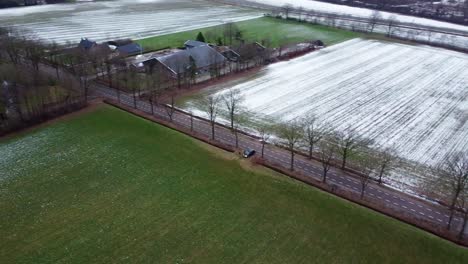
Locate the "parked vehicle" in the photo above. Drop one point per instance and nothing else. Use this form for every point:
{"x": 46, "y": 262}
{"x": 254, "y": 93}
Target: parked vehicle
{"x": 248, "y": 153}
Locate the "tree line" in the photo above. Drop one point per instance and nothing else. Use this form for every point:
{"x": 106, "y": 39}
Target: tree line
{"x": 18, "y": 3}
{"x": 29, "y": 92}
{"x": 452, "y": 12}
{"x": 390, "y": 26}
{"x": 345, "y": 149}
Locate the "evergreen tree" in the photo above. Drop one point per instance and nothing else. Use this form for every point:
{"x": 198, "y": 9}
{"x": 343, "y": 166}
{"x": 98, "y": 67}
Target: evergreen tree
{"x": 220, "y": 41}
{"x": 200, "y": 37}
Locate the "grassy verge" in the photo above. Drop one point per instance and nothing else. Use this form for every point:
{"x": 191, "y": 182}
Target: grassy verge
{"x": 278, "y": 31}
{"x": 105, "y": 186}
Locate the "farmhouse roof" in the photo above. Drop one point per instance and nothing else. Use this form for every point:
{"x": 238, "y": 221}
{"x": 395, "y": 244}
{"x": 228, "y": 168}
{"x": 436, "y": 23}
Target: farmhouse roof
{"x": 254, "y": 45}
{"x": 227, "y": 52}
{"x": 194, "y": 43}
{"x": 131, "y": 48}
{"x": 120, "y": 42}
{"x": 202, "y": 56}
{"x": 87, "y": 44}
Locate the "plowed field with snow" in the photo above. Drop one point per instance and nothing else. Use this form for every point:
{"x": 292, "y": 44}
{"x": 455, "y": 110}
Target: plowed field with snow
{"x": 106, "y": 20}
{"x": 411, "y": 98}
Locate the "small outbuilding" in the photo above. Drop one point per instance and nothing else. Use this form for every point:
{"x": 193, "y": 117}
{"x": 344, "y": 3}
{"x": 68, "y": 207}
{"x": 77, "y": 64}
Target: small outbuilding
{"x": 130, "y": 49}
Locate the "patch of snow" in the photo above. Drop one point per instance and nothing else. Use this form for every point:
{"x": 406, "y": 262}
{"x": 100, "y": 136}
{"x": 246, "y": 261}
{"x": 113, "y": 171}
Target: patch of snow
{"x": 410, "y": 98}
{"x": 106, "y": 20}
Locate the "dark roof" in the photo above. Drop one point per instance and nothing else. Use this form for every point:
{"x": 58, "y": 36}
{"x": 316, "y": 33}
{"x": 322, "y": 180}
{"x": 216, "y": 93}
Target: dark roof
{"x": 202, "y": 56}
{"x": 194, "y": 43}
{"x": 254, "y": 46}
{"x": 86, "y": 44}
{"x": 131, "y": 48}
{"x": 120, "y": 42}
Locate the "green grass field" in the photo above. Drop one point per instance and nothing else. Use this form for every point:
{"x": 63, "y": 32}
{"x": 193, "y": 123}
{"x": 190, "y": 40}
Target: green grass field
{"x": 107, "y": 187}
{"x": 279, "y": 31}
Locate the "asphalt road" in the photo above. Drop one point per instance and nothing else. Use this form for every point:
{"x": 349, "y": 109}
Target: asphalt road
{"x": 390, "y": 198}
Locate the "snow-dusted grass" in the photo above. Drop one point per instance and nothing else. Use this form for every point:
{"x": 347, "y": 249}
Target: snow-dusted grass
{"x": 277, "y": 31}
{"x": 346, "y": 12}
{"x": 411, "y": 98}
{"x": 121, "y": 18}
{"x": 106, "y": 186}
{"x": 360, "y": 12}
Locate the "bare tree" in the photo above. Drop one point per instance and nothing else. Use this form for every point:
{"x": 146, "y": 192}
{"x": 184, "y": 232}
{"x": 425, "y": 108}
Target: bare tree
{"x": 13, "y": 47}
{"x": 264, "y": 131}
{"x": 452, "y": 179}
{"x": 134, "y": 82}
{"x": 153, "y": 86}
{"x": 34, "y": 52}
{"x": 386, "y": 160}
{"x": 109, "y": 64}
{"x": 373, "y": 20}
{"x": 170, "y": 108}
{"x": 230, "y": 31}
{"x": 348, "y": 143}
{"x": 191, "y": 120}
{"x": 367, "y": 167}
{"x": 287, "y": 8}
{"x": 210, "y": 105}
{"x": 429, "y": 36}
{"x": 327, "y": 153}
{"x": 300, "y": 10}
{"x": 330, "y": 20}
{"x": 465, "y": 10}
{"x": 313, "y": 132}
{"x": 291, "y": 132}
{"x": 239, "y": 120}
{"x": 54, "y": 58}
{"x": 391, "y": 22}
{"x": 464, "y": 209}
{"x": 83, "y": 72}
{"x": 232, "y": 99}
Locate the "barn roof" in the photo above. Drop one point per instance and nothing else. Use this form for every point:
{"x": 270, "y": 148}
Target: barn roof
{"x": 202, "y": 56}
{"x": 131, "y": 48}
{"x": 194, "y": 43}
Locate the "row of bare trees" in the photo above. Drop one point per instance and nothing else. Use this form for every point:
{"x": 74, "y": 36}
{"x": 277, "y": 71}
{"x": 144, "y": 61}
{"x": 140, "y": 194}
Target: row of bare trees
{"x": 376, "y": 18}
{"x": 329, "y": 147}
{"x": 451, "y": 184}
{"x": 332, "y": 148}
{"x": 389, "y": 25}
{"x": 345, "y": 149}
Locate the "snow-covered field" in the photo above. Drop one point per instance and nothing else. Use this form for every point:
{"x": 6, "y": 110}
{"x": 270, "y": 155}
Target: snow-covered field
{"x": 411, "y": 98}
{"x": 120, "y": 18}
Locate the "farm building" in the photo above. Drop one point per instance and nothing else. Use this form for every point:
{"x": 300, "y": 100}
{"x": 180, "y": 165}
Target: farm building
{"x": 125, "y": 47}
{"x": 227, "y": 52}
{"x": 193, "y": 44}
{"x": 201, "y": 57}
{"x": 129, "y": 49}
{"x": 86, "y": 44}
{"x": 197, "y": 58}
{"x": 89, "y": 46}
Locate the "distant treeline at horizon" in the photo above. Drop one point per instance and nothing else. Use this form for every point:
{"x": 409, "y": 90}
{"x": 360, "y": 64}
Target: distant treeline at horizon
{"x": 17, "y": 3}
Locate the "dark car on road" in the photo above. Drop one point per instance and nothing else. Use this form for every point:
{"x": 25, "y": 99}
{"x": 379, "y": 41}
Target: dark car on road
{"x": 248, "y": 153}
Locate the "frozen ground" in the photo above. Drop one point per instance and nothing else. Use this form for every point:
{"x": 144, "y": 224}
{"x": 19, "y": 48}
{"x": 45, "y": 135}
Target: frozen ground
{"x": 120, "y": 18}
{"x": 411, "y": 98}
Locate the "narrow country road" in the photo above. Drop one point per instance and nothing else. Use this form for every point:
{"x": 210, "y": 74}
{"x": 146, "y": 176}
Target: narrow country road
{"x": 390, "y": 198}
